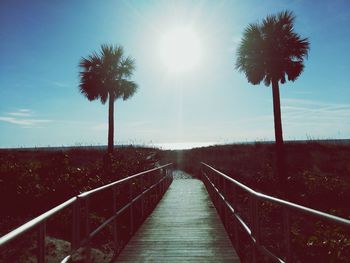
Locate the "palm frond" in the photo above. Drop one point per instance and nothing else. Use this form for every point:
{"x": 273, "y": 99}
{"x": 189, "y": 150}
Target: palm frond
{"x": 128, "y": 88}
{"x": 294, "y": 69}
{"x": 90, "y": 78}
{"x": 285, "y": 18}
{"x": 127, "y": 67}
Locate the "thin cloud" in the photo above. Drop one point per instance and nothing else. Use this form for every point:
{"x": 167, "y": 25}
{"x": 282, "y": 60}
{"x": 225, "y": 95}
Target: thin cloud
{"x": 104, "y": 126}
{"x": 303, "y": 92}
{"x": 21, "y": 118}
{"x": 315, "y": 114}
{"x": 61, "y": 84}
{"x": 294, "y": 102}
{"x": 21, "y": 113}
{"x": 133, "y": 124}
{"x": 24, "y": 122}
{"x": 99, "y": 127}
{"x": 310, "y": 106}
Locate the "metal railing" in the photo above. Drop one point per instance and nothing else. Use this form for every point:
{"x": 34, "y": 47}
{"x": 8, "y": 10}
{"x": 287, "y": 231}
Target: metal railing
{"x": 39, "y": 223}
{"x": 216, "y": 182}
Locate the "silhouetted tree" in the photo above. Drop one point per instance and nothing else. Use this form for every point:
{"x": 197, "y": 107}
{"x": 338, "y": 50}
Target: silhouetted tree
{"x": 106, "y": 76}
{"x": 271, "y": 52}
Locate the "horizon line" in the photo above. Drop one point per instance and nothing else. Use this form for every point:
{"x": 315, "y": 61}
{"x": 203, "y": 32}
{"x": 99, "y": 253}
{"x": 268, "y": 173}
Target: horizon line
{"x": 174, "y": 145}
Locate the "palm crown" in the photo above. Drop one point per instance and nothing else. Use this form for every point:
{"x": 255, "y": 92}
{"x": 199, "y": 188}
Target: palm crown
{"x": 272, "y": 50}
{"x": 106, "y": 74}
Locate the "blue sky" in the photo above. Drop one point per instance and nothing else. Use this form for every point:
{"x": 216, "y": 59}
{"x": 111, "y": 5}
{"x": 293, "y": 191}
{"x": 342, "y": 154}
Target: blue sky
{"x": 43, "y": 41}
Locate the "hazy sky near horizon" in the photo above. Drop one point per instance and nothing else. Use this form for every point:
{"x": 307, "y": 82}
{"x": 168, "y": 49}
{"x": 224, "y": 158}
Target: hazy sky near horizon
{"x": 43, "y": 41}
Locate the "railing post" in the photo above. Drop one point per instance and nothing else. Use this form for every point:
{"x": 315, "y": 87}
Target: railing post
{"x": 87, "y": 229}
{"x": 159, "y": 187}
{"x": 236, "y": 238}
{"x": 219, "y": 187}
{"x": 255, "y": 225}
{"x": 114, "y": 207}
{"x": 220, "y": 204}
{"x": 142, "y": 199}
{"x": 214, "y": 180}
{"x": 76, "y": 224}
{"x": 41, "y": 242}
{"x": 286, "y": 231}
{"x": 235, "y": 225}
{"x": 224, "y": 194}
{"x": 163, "y": 183}
{"x": 131, "y": 211}
{"x": 165, "y": 180}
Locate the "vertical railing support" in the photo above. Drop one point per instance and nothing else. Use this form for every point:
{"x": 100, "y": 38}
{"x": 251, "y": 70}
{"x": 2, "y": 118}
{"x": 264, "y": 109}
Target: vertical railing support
{"x": 114, "y": 209}
{"x": 158, "y": 189}
{"x": 255, "y": 225}
{"x": 235, "y": 224}
{"x": 161, "y": 186}
{"x": 41, "y": 242}
{"x": 131, "y": 210}
{"x": 164, "y": 181}
{"x": 286, "y": 231}
{"x": 142, "y": 199}
{"x": 236, "y": 237}
{"x": 87, "y": 229}
{"x": 76, "y": 225}
{"x": 224, "y": 193}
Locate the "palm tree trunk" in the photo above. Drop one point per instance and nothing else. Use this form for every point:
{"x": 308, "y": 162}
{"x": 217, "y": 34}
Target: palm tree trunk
{"x": 280, "y": 162}
{"x": 111, "y": 123}
{"x": 277, "y": 112}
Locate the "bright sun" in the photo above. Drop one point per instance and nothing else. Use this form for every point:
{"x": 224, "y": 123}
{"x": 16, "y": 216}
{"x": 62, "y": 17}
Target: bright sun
{"x": 180, "y": 49}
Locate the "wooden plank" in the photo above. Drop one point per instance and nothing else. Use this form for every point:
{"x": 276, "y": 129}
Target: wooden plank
{"x": 184, "y": 227}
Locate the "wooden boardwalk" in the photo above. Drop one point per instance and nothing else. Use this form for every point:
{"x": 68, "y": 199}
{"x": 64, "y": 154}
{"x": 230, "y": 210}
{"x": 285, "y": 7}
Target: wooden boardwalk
{"x": 184, "y": 227}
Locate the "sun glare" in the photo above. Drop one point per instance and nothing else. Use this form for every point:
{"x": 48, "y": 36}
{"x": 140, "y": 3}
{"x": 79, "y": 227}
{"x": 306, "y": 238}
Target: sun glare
{"x": 180, "y": 49}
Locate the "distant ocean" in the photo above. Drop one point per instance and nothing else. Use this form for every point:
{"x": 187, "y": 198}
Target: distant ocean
{"x": 190, "y": 145}
{"x": 176, "y": 145}
{"x": 183, "y": 145}
{"x": 163, "y": 146}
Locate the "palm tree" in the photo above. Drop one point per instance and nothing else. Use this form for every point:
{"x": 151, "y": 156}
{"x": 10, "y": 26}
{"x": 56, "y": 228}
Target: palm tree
{"x": 106, "y": 76}
{"x": 271, "y": 52}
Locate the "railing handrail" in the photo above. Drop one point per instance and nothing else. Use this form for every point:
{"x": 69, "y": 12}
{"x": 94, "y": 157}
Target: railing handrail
{"x": 35, "y": 221}
{"x": 98, "y": 189}
{"x": 282, "y": 202}
{"x": 46, "y": 215}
